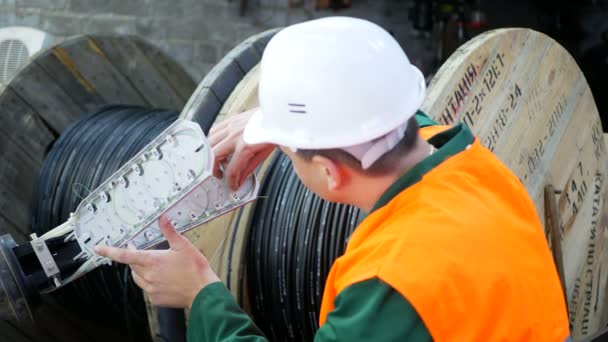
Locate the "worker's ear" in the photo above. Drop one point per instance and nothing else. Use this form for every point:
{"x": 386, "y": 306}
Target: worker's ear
{"x": 332, "y": 173}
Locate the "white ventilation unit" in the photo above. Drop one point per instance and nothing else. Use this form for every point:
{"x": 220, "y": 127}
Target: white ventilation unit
{"x": 17, "y": 45}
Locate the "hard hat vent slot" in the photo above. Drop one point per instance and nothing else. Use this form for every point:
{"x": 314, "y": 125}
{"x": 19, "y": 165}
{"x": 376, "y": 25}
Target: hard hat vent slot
{"x": 297, "y": 108}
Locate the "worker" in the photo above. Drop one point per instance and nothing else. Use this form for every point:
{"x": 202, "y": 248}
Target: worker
{"x": 451, "y": 249}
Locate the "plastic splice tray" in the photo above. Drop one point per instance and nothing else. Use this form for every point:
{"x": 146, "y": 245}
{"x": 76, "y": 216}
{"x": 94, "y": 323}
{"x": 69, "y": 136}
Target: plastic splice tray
{"x": 172, "y": 175}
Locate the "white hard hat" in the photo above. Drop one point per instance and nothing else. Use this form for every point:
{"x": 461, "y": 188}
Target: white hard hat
{"x": 331, "y": 83}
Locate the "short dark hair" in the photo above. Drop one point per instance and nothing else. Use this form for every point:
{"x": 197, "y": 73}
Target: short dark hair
{"x": 385, "y": 164}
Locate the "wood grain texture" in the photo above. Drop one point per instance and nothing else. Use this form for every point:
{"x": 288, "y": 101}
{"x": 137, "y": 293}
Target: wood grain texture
{"x": 49, "y": 93}
{"x": 21, "y": 124}
{"x": 67, "y": 76}
{"x": 139, "y": 70}
{"x": 526, "y": 99}
{"x": 172, "y": 72}
{"x": 95, "y": 71}
{"x": 38, "y": 89}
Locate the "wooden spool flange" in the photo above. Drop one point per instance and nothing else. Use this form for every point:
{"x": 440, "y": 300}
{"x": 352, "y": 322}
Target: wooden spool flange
{"x": 52, "y": 90}
{"x": 229, "y": 88}
{"x": 526, "y": 99}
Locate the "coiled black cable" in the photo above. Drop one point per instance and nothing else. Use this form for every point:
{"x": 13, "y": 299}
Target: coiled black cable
{"x": 294, "y": 238}
{"x": 85, "y": 155}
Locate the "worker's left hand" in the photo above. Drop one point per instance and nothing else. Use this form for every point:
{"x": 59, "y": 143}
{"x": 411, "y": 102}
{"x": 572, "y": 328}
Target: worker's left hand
{"x": 170, "y": 278}
{"x": 226, "y": 139}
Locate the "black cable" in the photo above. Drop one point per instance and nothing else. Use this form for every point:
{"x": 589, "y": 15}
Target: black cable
{"x": 293, "y": 239}
{"x": 83, "y": 157}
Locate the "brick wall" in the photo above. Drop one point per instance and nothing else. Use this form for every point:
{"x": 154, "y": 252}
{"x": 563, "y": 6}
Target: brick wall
{"x": 195, "y": 32}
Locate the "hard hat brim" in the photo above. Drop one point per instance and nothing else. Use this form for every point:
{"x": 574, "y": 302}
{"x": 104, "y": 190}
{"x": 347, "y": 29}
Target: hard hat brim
{"x": 255, "y": 132}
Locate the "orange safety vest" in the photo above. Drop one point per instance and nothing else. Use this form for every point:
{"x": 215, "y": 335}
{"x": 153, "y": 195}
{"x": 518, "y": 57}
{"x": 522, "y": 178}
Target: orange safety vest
{"x": 465, "y": 247}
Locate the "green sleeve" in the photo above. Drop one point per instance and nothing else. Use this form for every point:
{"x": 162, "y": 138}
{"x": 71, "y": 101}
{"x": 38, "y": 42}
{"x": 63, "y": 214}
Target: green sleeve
{"x": 424, "y": 120}
{"x": 369, "y": 310}
{"x": 215, "y": 316}
{"x": 372, "y": 311}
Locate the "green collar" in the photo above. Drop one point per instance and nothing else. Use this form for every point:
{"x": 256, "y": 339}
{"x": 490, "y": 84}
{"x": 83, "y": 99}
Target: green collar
{"x": 423, "y": 119}
{"x": 448, "y": 143}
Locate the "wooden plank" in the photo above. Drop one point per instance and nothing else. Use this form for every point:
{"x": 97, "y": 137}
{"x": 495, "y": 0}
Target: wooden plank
{"x": 22, "y": 125}
{"x": 127, "y": 57}
{"x": 24, "y": 139}
{"x": 87, "y": 62}
{"x": 16, "y": 208}
{"x": 18, "y": 233}
{"x": 554, "y": 226}
{"x": 18, "y": 176}
{"x": 68, "y": 77}
{"x": 45, "y": 97}
{"x": 526, "y": 99}
{"x": 18, "y": 171}
{"x": 175, "y": 75}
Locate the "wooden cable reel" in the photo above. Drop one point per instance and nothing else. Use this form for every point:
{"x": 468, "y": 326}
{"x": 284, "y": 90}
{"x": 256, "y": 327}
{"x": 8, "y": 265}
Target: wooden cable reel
{"x": 520, "y": 92}
{"x": 229, "y": 88}
{"x": 79, "y": 75}
{"x": 526, "y": 99}
{"x": 223, "y": 240}
{"x": 225, "y": 91}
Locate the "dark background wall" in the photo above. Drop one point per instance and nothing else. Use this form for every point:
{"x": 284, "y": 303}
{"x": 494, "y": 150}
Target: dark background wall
{"x": 197, "y": 33}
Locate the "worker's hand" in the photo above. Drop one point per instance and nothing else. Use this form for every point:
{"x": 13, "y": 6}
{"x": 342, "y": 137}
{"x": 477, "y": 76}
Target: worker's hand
{"x": 170, "y": 278}
{"x": 226, "y": 139}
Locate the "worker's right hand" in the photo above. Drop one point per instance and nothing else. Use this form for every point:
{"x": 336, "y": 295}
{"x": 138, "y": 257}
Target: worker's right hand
{"x": 172, "y": 277}
{"x": 239, "y": 159}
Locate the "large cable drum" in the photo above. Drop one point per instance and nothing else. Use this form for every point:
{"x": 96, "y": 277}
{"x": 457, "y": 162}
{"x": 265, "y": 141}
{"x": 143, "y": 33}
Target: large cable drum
{"x": 84, "y": 75}
{"x": 46, "y": 96}
{"x": 526, "y": 99}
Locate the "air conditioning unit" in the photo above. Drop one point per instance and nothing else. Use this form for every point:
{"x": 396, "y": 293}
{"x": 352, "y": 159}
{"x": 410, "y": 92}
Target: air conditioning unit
{"x": 17, "y": 45}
